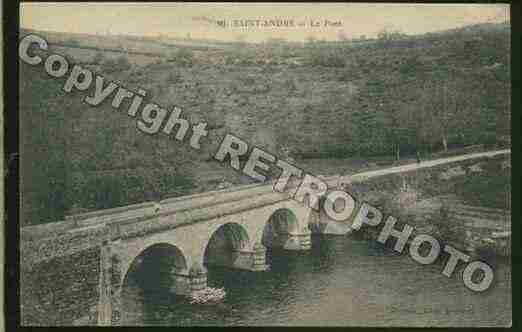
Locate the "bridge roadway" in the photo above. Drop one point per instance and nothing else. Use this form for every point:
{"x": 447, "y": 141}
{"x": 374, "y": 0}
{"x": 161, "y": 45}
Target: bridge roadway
{"x": 230, "y": 227}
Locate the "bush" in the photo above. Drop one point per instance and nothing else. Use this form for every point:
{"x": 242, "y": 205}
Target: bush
{"x": 102, "y": 193}
{"x": 122, "y": 63}
{"x": 492, "y": 188}
{"x": 386, "y": 37}
{"x": 98, "y": 58}
{"x": 173, "y": 78}
{"x": 229, "y": 60}
{"x": 116, "y": 65}
{"x": 445, "y": 227}
{"x": 71, "y": 43}
{"x": 183, "y": 57}
{"x": 109, "y": 191}
{"x": 411, "y": 66}
{"x": 330, "y": 58}
{"x": 243, "y": 58}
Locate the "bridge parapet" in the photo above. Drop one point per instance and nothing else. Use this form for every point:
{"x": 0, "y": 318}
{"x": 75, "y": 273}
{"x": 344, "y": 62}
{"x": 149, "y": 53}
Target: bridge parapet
{"x": 232, "y": 194}
{"x": 85, "y": 220}
{"x": 142, "y": 212}
{"x": 165, "y": 220}
{"x": 106, "y": 213}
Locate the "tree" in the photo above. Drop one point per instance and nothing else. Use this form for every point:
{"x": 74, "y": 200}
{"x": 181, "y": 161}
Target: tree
{"x": 98, "y": 58}
{"x": 43, "y": 149}
{"x": 115, "y": 65}
{"x": 433, "y": 115}
{"x": 444, "y": 102}
{"x": 183, "y": 57}
{"x": 399, "y": 128}
{"x": 333, "y": 57}
{"x": 398, "y": 133}
{"x": 122, "y": 63}
{"x": 386, "y": 36}
{"x": 72, "y": 43}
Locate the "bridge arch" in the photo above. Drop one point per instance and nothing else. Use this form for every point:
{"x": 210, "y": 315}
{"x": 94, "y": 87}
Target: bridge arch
{"x": 153, "y": 266}
{"x": 153, "y": 271}
{"x": 279, "y": 229}
{"x": 225, "y": 245}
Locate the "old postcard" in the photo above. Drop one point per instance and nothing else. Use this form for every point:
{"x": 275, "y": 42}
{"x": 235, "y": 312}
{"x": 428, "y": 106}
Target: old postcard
{"x": 265, "y": 164}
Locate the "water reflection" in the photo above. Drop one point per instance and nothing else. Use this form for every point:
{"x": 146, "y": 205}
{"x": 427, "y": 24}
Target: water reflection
{"x": 341, "y": 281}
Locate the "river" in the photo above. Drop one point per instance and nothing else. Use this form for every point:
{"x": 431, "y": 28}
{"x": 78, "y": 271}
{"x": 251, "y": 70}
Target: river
{"x": 342, "y": 281}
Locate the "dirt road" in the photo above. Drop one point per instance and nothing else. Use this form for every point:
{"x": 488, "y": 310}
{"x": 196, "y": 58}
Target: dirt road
{"x": 414, "y": 166}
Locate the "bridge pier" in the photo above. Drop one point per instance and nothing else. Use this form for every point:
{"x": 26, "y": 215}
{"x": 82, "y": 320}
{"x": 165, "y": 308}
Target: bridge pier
{"x": 323, "y": 224}
{"x": 251, "y": 259}
{"x": 115, "y": 293}
{"x": 197, "y": 278}
{"x": 298, "y": 241}
{"x": 259, "y": 256}
{"x": 109, "y": 304}
{"x": 326, "y": 225}
{"x": 186, "y": 283}
{"x": 292, "y": 241}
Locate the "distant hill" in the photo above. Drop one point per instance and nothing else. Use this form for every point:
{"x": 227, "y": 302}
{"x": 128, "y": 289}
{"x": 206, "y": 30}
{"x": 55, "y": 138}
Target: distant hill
{"x": 392, "y": 95}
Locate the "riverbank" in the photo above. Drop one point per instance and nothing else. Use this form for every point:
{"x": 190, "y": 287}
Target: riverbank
{"x": 466, "y": 205}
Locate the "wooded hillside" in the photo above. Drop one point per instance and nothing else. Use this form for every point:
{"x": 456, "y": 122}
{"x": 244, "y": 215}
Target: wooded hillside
{"x": 394, "y": 95}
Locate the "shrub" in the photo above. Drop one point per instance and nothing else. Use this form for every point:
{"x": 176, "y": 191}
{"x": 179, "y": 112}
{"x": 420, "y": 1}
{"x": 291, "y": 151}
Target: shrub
{"x": 411, "y": 65}
{"x": 72, "y": 43}
{"x": 98, "y": 58}
{"x": 109, "y": 191}
{"x": 116, "y": 65}
{"x": 446, "y": 229}
{"x": 229, "y": 60}
{"x": 102, "y": 193}
{"x": 183, "y": 57}
{"x": 492, "y": 188}
{"x": 173, "y": 78}
{"x": 122, "y": 63}
{"x": 327, "y": 58}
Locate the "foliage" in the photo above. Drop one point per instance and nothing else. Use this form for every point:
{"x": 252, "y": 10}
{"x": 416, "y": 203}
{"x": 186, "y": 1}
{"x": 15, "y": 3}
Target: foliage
{"x": 183, "y": 57}
{"x": 43, "y": 162}
{"x": 446, "y": 229}
{"x": 63, "y": 169}
{"x": 327, "y": 58}
{"x": 387, "y": 36}
{"x": 173, "y": 78}
{"x": 98, "y": 58}
{"x": 116, "y": 65}
{"x": 106, "y": 191}
{"x": 492, "y": 188}
{"x": 72, "y": 43}
{"x": 371, "y": 98}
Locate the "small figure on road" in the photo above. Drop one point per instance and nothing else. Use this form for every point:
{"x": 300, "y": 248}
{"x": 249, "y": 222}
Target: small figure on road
{"x": 157, "y": 207}
{"x": 418, "y": 157}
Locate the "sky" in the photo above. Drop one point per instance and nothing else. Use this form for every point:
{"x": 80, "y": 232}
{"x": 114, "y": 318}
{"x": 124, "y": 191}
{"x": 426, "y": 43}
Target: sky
{"x": 199, "y": 19}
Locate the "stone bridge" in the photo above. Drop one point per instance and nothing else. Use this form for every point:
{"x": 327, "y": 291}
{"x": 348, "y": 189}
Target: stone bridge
{"x": 231, "y": 228}
{"x": 74, "y": 271}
